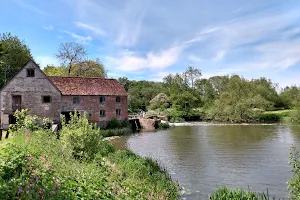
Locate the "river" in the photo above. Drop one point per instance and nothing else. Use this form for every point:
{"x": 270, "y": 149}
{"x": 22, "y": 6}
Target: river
{"x": 205, "y": 155}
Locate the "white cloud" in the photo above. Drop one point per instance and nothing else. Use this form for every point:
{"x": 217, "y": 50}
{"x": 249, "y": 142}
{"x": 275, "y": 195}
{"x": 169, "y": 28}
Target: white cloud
{"x": 79, "y": 38}
{"x": 43, "y": 61}
{"x": 49, "y": 27}
{"x": 97, "y": 31}
{"x": 129, "y": 61}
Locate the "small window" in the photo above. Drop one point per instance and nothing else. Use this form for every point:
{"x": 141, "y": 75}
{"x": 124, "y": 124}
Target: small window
{"x": 118, "y": 99}
{"x": 118, "y": 112}
{"x": 102, "y": 113}
{"x": 76, "y": 100}
{"x": 102, "y": 99}
{"x": 46, "y": 99}
{"x": 30, "y": 72}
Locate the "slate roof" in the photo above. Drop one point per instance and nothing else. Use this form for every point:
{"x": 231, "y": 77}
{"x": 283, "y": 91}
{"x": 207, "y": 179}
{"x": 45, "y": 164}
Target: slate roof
{"x": 88, "y": 86}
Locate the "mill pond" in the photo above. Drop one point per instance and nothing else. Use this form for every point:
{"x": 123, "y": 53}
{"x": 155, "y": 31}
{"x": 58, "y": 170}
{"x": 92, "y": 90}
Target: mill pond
{"x": 204, "y": 156}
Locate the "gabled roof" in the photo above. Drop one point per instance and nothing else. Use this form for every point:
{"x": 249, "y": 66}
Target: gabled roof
{"x": 37, "y": 67}
{"x": 88, "y": 86}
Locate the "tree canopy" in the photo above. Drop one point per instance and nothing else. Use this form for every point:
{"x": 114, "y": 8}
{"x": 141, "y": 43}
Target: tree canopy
{"x": 14, "y": 53}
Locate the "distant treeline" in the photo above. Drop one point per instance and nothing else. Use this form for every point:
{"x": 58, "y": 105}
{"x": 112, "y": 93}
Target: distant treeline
{"x": 188, "y": 96}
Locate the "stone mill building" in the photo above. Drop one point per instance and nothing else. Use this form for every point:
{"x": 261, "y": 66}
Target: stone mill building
{"x": 103, "y": 99}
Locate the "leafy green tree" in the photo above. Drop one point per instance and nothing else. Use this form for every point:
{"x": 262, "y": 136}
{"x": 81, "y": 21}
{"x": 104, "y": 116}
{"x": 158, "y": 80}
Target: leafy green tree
{"x": 125, "y": 82}
{"x": 290, "y": 96}
{"x": 219, "y": 83}
{"x": 51, "y": 70}
{"x": 205, "y": 89}
{"x": 12, "y": 59}
{"x": 160, "y": 101}
{"x": 239, "y": 102}
{"x": 89, "y": 68}
{"x": 86, "y": 68}
{"x": 185, "y": 101}
{"x": 191, "y": 75}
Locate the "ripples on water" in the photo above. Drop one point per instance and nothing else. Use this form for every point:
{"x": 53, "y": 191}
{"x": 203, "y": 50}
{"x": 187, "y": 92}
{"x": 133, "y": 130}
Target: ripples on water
{"x": 203, "y": 156}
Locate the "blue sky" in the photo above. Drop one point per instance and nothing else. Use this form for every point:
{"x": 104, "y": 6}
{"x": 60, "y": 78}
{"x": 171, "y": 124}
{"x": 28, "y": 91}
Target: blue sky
{"x": 148, "y": 39}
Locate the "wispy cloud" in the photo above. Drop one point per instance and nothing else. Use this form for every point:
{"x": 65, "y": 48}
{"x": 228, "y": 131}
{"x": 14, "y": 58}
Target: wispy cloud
{"x": 30, "y": 7}
{"x": 129, "y": 61}
{"x": 79, "y": 38}
{"x": 95, "y": 30}
{"x": 48, "y": 28}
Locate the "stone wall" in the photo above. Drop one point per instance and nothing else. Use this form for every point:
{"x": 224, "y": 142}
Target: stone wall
{"x": 31, "y": 90}
{"x": 92, "y": 105}
{"x": 148, "y": 124}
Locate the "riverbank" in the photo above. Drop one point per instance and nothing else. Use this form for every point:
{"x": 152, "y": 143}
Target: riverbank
{"x": 80, "y": 164}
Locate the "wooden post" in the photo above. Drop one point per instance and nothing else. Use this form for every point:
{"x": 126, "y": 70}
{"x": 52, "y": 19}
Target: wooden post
{"x": 7, "y": 133}
{"x": 0, "y": 134}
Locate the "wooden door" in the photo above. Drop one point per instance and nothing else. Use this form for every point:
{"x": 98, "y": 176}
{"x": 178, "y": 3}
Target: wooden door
{"x": 16, "y": 102}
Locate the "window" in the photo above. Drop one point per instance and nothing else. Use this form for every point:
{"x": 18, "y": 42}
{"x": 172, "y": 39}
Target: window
{"x": 118, "y": 112}
{"x": 30, "y": 72}
{"x": 118, "y": 99}
{"x": 46, "y": 99}
{"x": 102, "y": 99}
{"x": 102, "y": 113}
{"x": 76, "y": 100}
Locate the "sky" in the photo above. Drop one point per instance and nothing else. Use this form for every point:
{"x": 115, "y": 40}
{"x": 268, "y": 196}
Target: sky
{"x": 149, "y": 39}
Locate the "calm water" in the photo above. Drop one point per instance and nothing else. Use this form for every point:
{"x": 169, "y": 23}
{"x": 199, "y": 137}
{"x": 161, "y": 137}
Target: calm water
{"x": 205, "y": 156}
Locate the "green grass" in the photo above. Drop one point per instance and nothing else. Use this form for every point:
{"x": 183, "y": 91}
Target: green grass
{"x": 226, "y": 193}
{"x": 277, "y": 116}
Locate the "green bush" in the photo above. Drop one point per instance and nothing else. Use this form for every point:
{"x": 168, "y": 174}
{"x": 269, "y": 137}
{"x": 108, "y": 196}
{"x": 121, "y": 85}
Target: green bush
{"x": 294, "y": 183}
{"x": 269, "y": 117}
{"x": 117, "y": 124}
{"x": 163, "y": 125}
{"x": 225, "y": 193}
{"x": 115, "y": 132}
{"x": 83, "y": 138}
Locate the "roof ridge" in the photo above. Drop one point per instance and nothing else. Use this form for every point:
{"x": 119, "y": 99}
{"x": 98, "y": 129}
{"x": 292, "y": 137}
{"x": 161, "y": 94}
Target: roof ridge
{"x": 81, "y": 77}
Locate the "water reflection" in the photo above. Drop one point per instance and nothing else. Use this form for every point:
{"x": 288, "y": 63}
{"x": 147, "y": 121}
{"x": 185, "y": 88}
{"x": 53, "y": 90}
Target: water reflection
{"x": 205, "y": 156}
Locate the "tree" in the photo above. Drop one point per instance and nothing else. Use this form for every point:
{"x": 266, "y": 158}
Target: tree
{"x": 86, "y": 68}
{"x": 51, "y": 70}
{"x": 125, "y": 82}
{"x": 70, "y": 53}
{"x": 14, "y": 54}
{"x": 290, "y": 96}
{"x": 192, "y": 74}
{"x": 2, "y": 50}
{"x": 89, "y": 68}
{"x": 160, "y": 101}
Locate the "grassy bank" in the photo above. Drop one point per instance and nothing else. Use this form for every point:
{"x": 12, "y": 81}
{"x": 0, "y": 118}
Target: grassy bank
{"x": 35, "y": 164}
{"x": 278, "y": 116}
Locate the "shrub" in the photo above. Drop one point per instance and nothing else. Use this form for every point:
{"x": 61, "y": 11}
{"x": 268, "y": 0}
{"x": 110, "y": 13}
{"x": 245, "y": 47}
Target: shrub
{"x": 163, "y": 125}
{"x": 115, "y": 132}
{"x": 83, "y": 138}
{"x": 117, "y": 124}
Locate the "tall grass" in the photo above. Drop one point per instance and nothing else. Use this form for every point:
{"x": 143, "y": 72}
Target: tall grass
{"x": 225, "y": 193}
